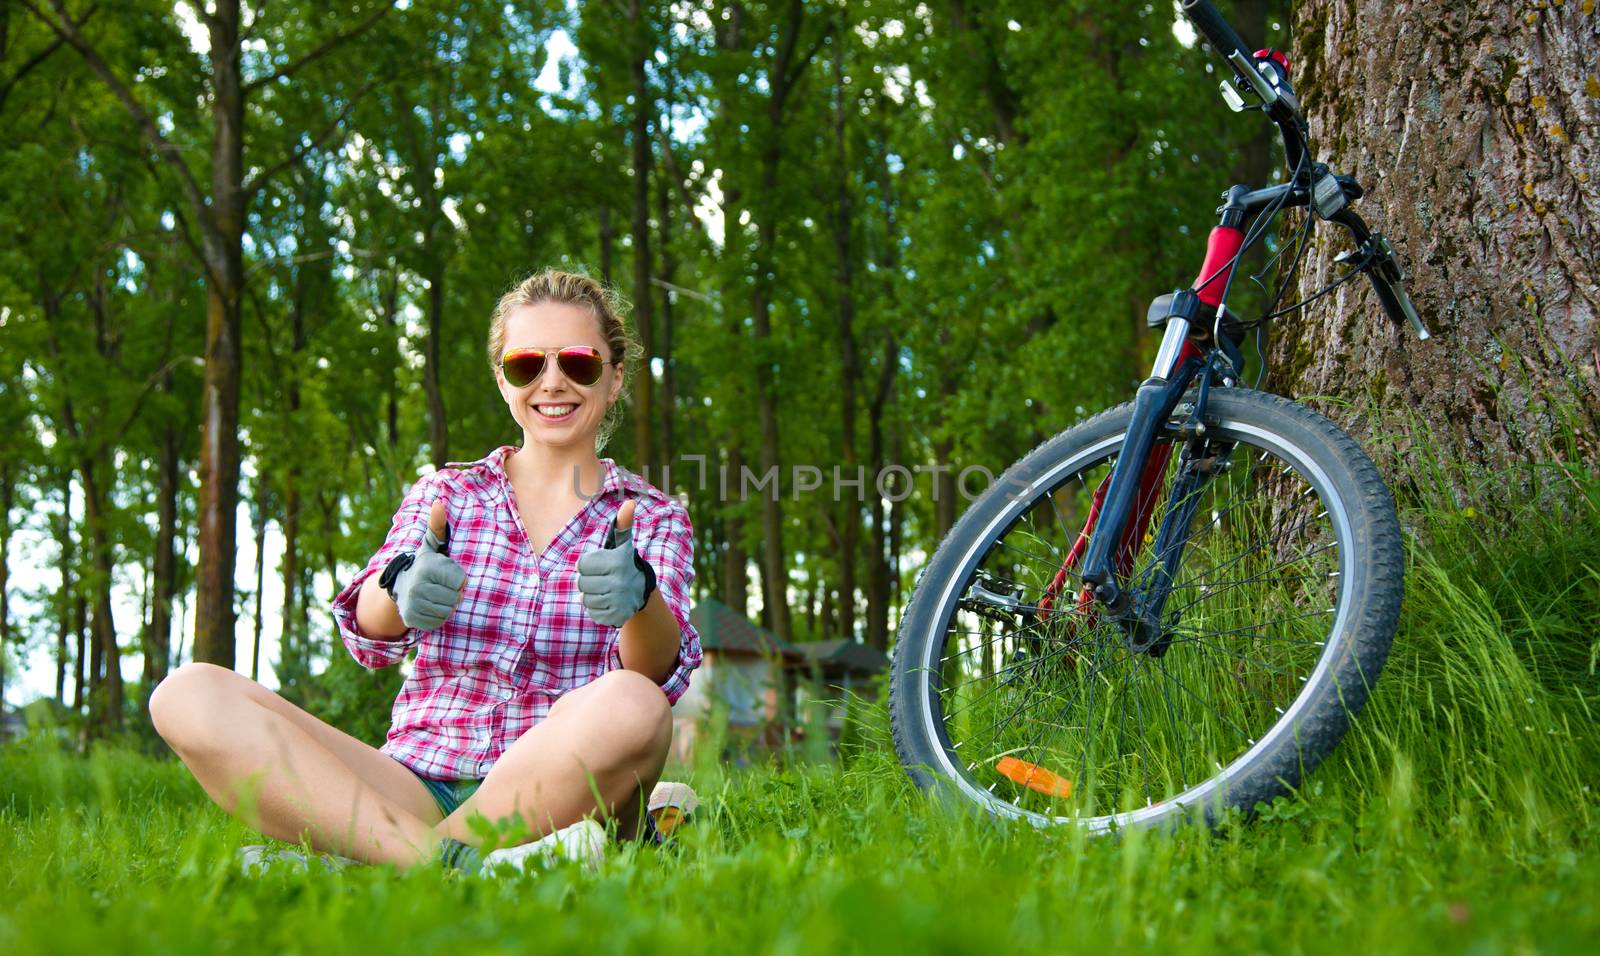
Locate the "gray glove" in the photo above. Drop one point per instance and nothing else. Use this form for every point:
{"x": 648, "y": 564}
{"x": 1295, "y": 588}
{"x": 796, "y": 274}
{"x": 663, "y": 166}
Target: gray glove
{"x": 615, "y": 581}
{"x": 426, "y": 585}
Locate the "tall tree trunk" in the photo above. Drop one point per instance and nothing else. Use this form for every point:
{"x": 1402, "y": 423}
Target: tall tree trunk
{"x": 260, "y": 518}
{"x": 735, "y": 569}
{"x": 783, "y": 76}
{"x": 438, "y": 431}
{"x": 606, "y": 235}
{"x": 158, "y": 639}
{"x": 1475, "y": 129}
{"x": 295, "y": 626}
{"x": 389, "y": 296}
{"x": 878, "y": 596}
{"x": 105, "y": 673}
{"x": 64, "y": 605}
{"x": 214, "y": 637}
{"x": 80, "y": 657}
{"x": 849, "y": 362}
{"x": 71, "y": 620}
{"x": 643, "y": 105}
{"x": 669, "y": 272}
{"x": 5, "y": 583}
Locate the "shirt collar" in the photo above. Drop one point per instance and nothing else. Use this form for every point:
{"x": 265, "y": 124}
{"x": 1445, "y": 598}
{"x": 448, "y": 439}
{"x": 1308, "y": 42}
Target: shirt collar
{"x": 616, "y": 478}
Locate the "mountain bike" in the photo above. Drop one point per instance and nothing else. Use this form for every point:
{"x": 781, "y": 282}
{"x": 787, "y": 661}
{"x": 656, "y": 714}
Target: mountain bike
{"x": 1175, "y": 608}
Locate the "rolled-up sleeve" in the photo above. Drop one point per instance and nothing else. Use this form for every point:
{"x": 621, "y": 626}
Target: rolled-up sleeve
{"x": 667, "y": 543}
{"x": 405, "y": 535}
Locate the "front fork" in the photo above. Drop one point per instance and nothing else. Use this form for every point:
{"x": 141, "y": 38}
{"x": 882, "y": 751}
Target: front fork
{"x": 1134, "y": 488}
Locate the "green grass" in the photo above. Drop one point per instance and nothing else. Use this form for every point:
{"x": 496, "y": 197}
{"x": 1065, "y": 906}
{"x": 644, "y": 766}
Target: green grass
{"x": 1458, "y": 816}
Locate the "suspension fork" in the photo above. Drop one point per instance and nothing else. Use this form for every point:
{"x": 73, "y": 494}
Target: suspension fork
{"x": 1135, "y": 480}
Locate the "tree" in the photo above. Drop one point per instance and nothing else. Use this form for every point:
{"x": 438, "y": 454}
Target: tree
{"x": 219, "y": 215}
{"x": 1473, "y": 129}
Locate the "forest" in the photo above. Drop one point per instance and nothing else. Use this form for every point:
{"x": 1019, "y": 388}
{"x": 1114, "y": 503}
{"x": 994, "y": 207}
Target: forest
{"x": 251, "y": 257}
{"x": 875, "y": 252}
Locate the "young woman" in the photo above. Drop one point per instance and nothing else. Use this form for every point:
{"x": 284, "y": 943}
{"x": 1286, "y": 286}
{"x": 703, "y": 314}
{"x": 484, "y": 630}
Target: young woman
{"x": 546, "y": 593}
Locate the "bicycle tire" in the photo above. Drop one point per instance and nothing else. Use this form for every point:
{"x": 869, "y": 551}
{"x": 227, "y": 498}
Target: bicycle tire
{"x": 1367, "y": 589}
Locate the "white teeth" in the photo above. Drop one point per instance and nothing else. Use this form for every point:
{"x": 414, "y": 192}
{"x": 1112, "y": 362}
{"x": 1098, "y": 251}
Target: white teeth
{"x": 555, "y": 411}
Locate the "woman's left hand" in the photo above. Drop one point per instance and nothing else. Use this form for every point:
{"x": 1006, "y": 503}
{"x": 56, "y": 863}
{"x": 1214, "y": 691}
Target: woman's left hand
{"x": 615, "y": 581}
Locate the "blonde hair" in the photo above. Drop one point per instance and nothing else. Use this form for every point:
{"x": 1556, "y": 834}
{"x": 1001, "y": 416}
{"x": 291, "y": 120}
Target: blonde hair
{"x": 608, "y": 308}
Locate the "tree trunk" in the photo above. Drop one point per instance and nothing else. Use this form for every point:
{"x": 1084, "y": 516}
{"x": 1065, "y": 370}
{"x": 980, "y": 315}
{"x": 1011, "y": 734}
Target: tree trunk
{"x": 782, "y": 79}
{"x": 1475, "y": 129}
{"x": 158, "y": 638}
{"x": 849, "y": 362}
{"x": 105, "y": 672}
{"x": 219, "y": 436}
{"x": 606, "y": 233}
{"x": 70, "y": 646}
{"x": 735, "y": 570}
{"x": 669, "y": 270}
{"x": 438, "y": 430}
{"x": 5, "y": 583}
{"x": 260, "y": 518}
{"x": 295, "y": 625}
{"x": 643, "y": 315}
{"x": 878, "y": 596}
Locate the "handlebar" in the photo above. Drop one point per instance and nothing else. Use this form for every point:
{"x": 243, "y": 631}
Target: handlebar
{"x": 1267, "y": 73}
{"x": 1216, "y": 30}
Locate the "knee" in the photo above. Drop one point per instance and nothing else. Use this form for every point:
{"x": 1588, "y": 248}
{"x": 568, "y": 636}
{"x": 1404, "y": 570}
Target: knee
{"x": 181, "y": 705}
{"x": 636, "y": 710}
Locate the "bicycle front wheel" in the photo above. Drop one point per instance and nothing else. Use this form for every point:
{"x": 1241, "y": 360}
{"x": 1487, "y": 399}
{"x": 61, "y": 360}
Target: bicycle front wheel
{"x": 1271, "y": 573}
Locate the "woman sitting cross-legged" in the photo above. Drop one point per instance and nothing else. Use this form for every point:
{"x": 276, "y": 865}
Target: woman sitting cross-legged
{"x": 545, "y": 591}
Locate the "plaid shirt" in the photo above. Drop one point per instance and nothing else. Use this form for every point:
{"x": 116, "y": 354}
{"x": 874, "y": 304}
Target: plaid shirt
{"x": 521, "y": 637}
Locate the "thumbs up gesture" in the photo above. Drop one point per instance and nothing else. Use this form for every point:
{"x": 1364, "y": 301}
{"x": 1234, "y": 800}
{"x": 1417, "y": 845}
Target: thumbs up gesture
{"x": 615, "y": 581}
{"x": 429, "y": 587}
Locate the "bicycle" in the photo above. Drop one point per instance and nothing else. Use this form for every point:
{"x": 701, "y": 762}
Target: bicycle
{"x": 1175, "y": 607}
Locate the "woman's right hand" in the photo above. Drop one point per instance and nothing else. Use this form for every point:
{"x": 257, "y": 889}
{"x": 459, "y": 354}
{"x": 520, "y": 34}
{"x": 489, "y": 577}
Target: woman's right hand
{"x": 426, "y": 592}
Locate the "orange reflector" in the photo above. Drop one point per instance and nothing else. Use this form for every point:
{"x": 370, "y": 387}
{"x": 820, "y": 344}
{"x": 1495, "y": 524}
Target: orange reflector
{"x": 1034, "y": 777}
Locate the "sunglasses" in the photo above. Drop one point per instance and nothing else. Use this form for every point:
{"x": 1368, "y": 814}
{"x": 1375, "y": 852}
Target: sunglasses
{"x": 580, "y": 363}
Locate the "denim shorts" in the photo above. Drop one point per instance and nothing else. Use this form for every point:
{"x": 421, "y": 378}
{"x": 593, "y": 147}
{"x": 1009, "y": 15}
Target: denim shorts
{"x": 448, "y": 794}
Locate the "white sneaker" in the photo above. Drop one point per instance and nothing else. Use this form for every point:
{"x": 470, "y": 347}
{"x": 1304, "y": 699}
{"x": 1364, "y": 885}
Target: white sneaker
{"x": 584, "y": 842}
{"x": 257, "y": 859}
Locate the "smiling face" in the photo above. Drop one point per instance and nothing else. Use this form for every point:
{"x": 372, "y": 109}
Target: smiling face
{"x": 578, "y": 410}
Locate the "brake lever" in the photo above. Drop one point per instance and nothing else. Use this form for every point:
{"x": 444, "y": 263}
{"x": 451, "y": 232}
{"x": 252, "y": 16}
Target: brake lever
{"x": 1382, "y": 266}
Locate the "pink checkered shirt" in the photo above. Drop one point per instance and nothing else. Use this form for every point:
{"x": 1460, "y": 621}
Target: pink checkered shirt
{"x": 521, "y": 637}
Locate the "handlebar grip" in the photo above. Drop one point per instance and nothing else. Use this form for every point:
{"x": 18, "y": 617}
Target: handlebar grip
{"x": 1215, "y": 29}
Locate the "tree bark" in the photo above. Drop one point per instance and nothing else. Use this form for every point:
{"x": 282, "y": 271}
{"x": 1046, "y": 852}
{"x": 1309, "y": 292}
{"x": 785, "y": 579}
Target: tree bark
{"x": 849, "y": 360}
{"x": 260, "y": 518}
{"x": 878, "y": 583}
{"x": 783, "y": 76}
{"x": 219, "y": 432}
{"x": 70, "y": 627}
{"x": 643, "y": 315}
{"x": 606, "y": 234}
{"x": 1475, "y": 129}
{"x": 736, "y": 572}
{"x": 669, "y": 270}
{"x": 158, "y": 636}
{"x": 105, "y": 673}
{"x": 5, "y": 583}
{"x": 438, "y": 428}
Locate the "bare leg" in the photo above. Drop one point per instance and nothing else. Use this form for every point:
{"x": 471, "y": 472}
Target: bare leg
{"x": 616, "y": 729}
{"x": 287, "y": 774}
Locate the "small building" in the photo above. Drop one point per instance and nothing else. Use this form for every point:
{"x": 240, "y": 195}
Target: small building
{"x": 744, "y": 668}
{"x": 830, "y": 673}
